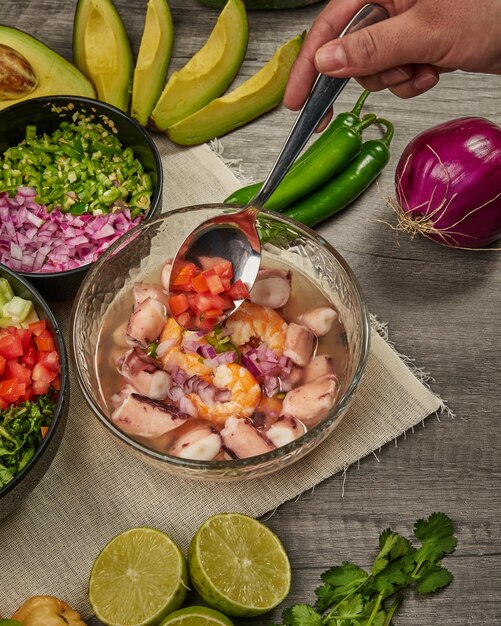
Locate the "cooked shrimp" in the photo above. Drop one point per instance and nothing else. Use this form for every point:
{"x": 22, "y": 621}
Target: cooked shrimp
{"x": 245, "y": 394}
{"x": 251, "y": 320}
{"x": 190, "y": 363}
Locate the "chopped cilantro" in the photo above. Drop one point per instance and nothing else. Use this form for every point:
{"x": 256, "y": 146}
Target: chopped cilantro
{"x": 21, "y": 433}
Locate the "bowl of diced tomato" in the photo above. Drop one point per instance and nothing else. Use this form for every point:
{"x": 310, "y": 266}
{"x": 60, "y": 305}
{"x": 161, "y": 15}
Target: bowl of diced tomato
{"x": 34, "y": 390}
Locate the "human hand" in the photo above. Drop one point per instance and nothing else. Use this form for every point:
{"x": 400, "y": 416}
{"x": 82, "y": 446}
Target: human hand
{"x": 405, "y": 53}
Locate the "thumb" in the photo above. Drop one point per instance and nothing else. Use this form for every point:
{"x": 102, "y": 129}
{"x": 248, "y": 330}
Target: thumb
{"x": 395, "y": 41}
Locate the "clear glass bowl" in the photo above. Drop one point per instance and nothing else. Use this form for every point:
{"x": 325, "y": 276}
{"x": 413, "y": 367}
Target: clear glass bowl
{"x": 145, "y": 249}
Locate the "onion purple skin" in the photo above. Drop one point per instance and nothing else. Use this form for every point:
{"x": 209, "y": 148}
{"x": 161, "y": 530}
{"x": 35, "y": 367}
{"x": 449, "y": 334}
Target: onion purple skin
{"x": 451, "y": 171}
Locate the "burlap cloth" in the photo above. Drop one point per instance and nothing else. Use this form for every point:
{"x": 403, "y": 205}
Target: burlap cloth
{"x": 96, "y": 488}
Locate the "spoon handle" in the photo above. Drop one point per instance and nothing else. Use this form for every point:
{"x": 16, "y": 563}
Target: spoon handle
{"x": 323, "y": 94}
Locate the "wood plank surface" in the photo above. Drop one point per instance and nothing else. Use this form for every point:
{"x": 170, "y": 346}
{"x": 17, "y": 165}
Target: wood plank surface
{"x": 443, "y": 308}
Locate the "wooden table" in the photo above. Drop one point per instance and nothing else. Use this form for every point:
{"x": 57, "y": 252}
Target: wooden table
{"x": 443, "y": 308}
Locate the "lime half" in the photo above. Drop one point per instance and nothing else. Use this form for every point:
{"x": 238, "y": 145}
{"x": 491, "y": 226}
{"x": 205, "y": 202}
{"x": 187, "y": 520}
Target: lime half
{"x": 196, "y": 616}
{"x": 137, "y": 579}
{"x": 238, "y": 565}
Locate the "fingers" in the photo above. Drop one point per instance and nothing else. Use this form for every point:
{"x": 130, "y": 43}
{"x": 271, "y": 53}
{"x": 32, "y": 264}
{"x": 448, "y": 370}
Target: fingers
{"x": 326, "y": 27}
{"x": 395, "y": 42}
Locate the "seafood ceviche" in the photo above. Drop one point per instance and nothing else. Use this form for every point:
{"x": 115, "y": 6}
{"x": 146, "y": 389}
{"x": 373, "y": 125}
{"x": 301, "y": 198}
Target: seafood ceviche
{"x": 249, "y": 385}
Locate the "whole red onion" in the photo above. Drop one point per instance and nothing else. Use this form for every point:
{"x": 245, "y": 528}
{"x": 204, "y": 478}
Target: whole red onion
{"x": 448, "y": 183}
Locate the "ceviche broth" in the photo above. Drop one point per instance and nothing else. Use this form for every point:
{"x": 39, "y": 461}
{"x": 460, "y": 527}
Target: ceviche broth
{"x": 256, "y": 382}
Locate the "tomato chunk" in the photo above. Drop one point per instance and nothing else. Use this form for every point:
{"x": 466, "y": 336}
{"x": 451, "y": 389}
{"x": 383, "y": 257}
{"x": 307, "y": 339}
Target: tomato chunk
{"x": 178, "y": 304}
{"x": 14, "y": 369}
{"x": 213, "y": 282}
{"x": 45, "y": 342}
{"x": 50, "y": 360}
{"x": 2, "y": 364}
{"x": 10, "y": 346}
{"x": 11, "y": 390}
{"x": 37, "y": 328}
{"x": 41, "y": 373}
{"x": 238, "y": 291}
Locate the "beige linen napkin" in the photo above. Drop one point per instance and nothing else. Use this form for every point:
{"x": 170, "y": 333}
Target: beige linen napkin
{"x": 96, "y": 488}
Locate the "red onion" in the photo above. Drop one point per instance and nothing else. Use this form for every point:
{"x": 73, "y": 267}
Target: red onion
{"x": 448, "y": 183}
{"x": 34, "y": 240}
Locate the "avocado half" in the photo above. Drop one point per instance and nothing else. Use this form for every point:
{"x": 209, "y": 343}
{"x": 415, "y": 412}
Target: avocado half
{"x": 55, "y": 75}
{"x": 101, "y": 50}
{"x": 153, "y": 59}
{"x": 257, "y": 95}
{"x": 209, "y": 72}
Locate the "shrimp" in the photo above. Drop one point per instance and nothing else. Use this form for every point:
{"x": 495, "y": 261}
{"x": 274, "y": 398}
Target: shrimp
{"x": 171, "y": 354}
{"x": 245, "y": 394}
{"x": 251, "y": 320}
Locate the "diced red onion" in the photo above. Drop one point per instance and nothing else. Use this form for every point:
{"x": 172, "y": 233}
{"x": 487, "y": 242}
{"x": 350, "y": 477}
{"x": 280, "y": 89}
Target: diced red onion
{"x": 164, "y": 347}
{"x": 248, "y": 363}
{"x": 207, "y": 351}
{"x": 68, "y": 241}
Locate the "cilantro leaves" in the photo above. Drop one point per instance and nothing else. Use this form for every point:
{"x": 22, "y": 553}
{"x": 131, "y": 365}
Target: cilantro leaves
{"x": 352, "y": 597}
{"x": 20, "y": 433}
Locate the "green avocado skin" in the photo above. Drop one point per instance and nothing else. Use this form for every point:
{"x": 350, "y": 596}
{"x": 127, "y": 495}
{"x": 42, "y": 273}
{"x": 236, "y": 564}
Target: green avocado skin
{"x": 263, "y": 4}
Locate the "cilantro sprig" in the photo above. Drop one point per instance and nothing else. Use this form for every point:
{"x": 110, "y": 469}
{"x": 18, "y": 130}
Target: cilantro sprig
{"x": 350, "y": 596}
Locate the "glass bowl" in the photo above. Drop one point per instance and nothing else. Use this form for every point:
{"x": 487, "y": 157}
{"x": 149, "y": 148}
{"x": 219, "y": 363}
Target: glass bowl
{"x": 145, "y": 249}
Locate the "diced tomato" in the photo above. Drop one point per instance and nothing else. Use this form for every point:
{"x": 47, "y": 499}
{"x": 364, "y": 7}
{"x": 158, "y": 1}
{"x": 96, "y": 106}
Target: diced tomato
{"x": 44, "y": 430}
{"x": 226, "y": 283}
{"x": 199, "y": 284}
{"x": 204, "y": 302}
{"x": 14, "y": 369}
{"x": 25, "y": 335}
{"x": 10, "y": 346}
{"x": 11, "y": 390}
{"x": 213, "y": 282}
{"x": 45, "y": 342}
{"x": 37, "y": 328}
{"x": 182, "y": 280}
{"x": 50, "y": 360}
{"x": 40, "y": 387}
{"x": 41, "y": 373}
{"x": 238, "y": 291}
{"x": 56, "y": 383}
{"x": 3, "y": 403}
{"x": 227, "y": 301}
{"x": 222, "y": 267}
{"x": 213, "y": 313}
{"x": 29, "y": 355}
{"x": 2, "y": 365}
{"x": 27, "y": 395}
{"x": 184, "y": 319}
{"x": 178, "y": 304}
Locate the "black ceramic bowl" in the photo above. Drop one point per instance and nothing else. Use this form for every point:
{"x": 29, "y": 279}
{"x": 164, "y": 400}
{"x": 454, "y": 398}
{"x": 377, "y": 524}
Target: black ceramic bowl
{"x": 12, "y": 494}
{"x": 38, "y": 112}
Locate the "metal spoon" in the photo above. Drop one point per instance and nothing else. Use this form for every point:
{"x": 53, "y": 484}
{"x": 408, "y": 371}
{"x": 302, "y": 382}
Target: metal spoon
{"x": 234, "y": 236}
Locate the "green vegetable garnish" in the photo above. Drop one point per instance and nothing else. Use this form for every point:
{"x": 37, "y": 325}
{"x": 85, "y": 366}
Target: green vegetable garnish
{"x": 151, "y": 350}
{"x": 219, "y": 343}
{"x": 352, "y": 597}
{"x": 21, "y": 434}
{"x": 81, "y": 167}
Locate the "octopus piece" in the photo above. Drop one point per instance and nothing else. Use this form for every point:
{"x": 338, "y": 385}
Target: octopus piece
{"x": 299, "y": 344}
{"x": 201, "y": 443}
{"x": 145, "y": 374}
{"x": 146, "y": 322}
{"x": 272, "y": 288}
{"x": 241, "y": 440}
{"x": 321, "y": 365}
{"x": 143, "y": 417}
{"x": 293, "y": 379}
{"x": 285, "y": 430}
{"x": 319, "y": 319}
{"x": 310, "y": 403}
{"x": 142, "y": 291}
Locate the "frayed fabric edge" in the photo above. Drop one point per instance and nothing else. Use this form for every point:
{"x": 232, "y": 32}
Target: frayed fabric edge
{"x": 234, "y": 165}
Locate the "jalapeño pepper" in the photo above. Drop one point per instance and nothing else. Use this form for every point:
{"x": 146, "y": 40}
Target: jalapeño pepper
{"x": 347, "y": 119}
{"x": 344, "y": 188}
{"x": 319, "y": 166}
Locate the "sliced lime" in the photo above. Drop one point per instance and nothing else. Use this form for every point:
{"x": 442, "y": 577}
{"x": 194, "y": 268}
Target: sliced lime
{"x": 196, "y": 616}
{"x": 238, "y": 565}
{"x": 137, "y": 579}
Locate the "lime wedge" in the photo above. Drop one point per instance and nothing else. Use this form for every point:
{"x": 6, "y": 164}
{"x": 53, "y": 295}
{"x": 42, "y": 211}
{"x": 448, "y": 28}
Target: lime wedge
{"x": 238, "y": 565}
{"x": 196, "y": 616}
{"x": 137, "y": 579}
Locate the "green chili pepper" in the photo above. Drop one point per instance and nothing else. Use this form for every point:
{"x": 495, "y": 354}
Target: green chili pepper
{"x": 347, "y": 119}
{"x": 320, "y": 166}
{"x": 344, "y": 188}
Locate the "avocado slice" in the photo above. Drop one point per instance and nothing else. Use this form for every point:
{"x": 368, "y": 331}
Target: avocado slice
{"x": 264, "y": 4}
{"x": 55, "y": 75}
{"x": 257, "y": 95}
{"x": 209, "y": 72}
{"x": 153, "y": 59}
{"x": 101, "y": 50}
